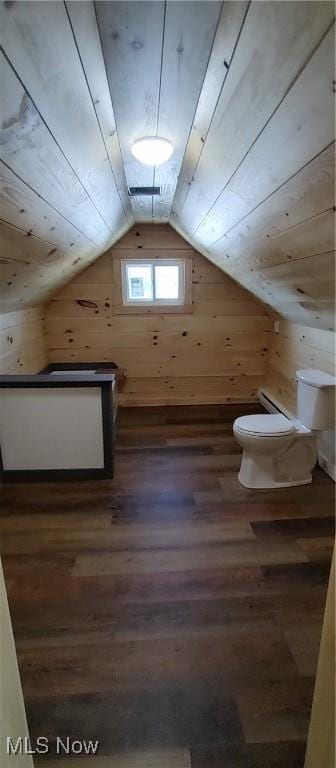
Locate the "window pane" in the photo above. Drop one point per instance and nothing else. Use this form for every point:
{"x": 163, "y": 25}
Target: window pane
{"x": 166, "y": 282}
{"x": 140, "y": 282}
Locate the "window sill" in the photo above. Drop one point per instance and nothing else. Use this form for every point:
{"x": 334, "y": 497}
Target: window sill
{"x": 156, "y": 309}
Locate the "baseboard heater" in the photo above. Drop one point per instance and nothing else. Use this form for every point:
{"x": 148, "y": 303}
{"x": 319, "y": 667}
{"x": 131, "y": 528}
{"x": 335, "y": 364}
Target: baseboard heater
{"x": 273, "y": 406}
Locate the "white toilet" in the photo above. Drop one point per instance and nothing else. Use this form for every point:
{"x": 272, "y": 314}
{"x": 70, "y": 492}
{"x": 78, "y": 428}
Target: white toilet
{"x": 278, "y": 452}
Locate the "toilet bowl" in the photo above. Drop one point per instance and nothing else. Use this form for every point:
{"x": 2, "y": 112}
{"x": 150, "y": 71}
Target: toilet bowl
{"x": 279, "y": 452}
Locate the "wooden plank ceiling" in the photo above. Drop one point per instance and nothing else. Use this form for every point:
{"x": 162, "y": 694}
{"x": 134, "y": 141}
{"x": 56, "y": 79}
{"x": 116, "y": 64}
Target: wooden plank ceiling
{"x": 244, "y": 91}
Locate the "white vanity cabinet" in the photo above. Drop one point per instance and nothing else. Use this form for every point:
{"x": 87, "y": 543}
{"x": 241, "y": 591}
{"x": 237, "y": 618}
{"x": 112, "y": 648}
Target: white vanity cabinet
{"x": 57, "y": 426}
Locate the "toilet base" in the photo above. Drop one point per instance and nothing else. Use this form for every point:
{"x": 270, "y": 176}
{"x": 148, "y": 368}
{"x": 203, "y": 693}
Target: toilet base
{"x": 264, "y": 472}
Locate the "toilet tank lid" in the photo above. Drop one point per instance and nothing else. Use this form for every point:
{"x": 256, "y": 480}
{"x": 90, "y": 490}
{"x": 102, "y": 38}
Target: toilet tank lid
{"x": 316, "y": 378}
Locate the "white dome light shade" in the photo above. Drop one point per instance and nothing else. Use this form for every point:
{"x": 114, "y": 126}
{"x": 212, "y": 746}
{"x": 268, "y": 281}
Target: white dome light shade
{"x": 152, "y": 150}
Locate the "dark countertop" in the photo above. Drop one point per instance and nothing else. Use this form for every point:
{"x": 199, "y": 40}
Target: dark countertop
{"x": 60, "y": 380}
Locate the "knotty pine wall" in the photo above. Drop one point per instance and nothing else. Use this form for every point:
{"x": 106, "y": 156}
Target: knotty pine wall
{"x": 13, "y": 715}
{"x": 23, "y": 341}
{"x": 295, "y": 347}
{"x": 216, "y": 354}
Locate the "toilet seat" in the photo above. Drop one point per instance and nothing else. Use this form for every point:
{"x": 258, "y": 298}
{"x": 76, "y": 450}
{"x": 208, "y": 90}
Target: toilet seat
{"x": 264, "y": 425}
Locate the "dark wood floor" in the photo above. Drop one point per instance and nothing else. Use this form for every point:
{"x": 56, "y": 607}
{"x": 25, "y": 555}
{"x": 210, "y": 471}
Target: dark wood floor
{"x": 170, "y": 613}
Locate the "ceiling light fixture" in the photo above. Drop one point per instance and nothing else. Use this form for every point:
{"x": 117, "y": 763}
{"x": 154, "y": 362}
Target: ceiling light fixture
{"x": 152, "y": 150}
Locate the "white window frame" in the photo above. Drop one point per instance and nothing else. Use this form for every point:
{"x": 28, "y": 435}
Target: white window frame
{"x": 130, "y": 302}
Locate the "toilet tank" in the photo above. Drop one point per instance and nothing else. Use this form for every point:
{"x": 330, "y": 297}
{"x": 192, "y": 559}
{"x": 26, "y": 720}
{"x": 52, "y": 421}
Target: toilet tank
{"x": 315, "y": 399}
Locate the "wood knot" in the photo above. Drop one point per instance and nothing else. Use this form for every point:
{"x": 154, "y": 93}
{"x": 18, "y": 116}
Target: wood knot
{"x": 85, "y": 303}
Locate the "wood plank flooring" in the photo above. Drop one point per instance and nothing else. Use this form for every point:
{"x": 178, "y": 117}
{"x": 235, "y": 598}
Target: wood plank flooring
{"x": 171, "y": 614}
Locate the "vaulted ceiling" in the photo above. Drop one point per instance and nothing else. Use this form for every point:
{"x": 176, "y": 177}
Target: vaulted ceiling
{"x": 244, "y": 91}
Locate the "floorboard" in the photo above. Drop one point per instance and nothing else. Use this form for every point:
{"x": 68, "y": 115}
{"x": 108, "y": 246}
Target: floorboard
{"x": 171, "y": 614}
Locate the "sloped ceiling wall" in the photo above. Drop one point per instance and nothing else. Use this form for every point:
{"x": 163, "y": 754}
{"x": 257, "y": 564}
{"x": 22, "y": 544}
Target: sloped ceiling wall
{"x": 63, "y": 188}
{"x": 257, "y": 197}
{"x": 243, "y": 90}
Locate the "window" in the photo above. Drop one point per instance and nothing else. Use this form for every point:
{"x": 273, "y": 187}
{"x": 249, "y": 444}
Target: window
{"x": 153, "y": 282}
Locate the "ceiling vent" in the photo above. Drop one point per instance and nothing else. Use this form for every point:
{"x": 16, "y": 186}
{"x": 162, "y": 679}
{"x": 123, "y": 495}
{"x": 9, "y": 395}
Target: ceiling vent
{"x": 144, "y": 191}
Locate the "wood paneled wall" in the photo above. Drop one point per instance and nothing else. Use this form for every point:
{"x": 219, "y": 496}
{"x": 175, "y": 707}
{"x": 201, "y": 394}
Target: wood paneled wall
{"x": 13, "y": 723}
{"x": 216, "y": 354}
{"x": 22, "y": 341}
{"x": 63, "y": 193}
{"x": 257, "y": 197}
{"x": 292, "y": 348}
